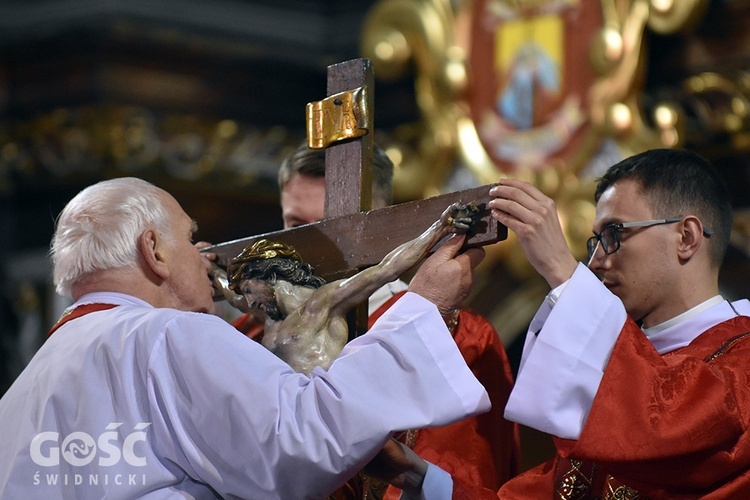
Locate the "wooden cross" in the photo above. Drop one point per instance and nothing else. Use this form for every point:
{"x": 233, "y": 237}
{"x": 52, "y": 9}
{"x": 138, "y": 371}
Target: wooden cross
{"x": 352, "y": 237}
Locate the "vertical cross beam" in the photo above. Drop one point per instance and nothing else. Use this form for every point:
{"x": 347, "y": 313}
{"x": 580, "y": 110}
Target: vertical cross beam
{"x": 349, "y": 162}
{"x": 348, "y": 239}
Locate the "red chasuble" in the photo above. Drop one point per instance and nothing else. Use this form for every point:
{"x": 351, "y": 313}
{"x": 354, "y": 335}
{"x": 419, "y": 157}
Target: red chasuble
{"x": 481, "y": 450}
{"x": 661, "y": 427}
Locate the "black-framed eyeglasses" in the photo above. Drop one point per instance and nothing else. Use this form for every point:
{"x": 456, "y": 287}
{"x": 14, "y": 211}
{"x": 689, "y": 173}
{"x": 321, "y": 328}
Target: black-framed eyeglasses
{"x": 609, "y": 237}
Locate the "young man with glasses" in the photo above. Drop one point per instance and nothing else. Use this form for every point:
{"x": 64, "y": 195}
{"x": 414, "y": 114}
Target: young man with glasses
{"x": 609, "y": 237}
{"x": 635, "y": 363}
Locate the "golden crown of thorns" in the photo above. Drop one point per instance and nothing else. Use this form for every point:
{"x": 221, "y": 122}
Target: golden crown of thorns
{"x": 260, "y": 250}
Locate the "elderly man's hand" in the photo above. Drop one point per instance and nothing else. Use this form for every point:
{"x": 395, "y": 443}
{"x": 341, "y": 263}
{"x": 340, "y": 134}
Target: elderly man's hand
{"x": 446, "y": 277}
{"x": 200, "y": 245}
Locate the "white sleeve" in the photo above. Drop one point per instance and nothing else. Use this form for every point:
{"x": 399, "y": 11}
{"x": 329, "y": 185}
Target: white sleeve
{"x": 566, "y": 350}
{"x": 233, "y": 415}
{"x": 437, "y": 485}
{"x": 742, "y": 306}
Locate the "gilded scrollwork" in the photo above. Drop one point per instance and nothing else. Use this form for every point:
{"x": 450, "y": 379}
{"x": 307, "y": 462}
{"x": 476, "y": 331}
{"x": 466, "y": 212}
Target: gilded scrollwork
{"x": 595, "y": 54}
{"x": 402, "y": 33}
{"x": 71, "y": 143}
{"x": 719, "y": 106}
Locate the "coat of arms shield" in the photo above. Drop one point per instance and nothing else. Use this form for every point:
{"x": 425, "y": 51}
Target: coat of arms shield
{"x": 530, "y": 77}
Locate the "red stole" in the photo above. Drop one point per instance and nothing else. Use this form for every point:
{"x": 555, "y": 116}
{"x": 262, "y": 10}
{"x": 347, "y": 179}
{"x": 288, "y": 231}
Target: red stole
{"x": 77, "y": 313}
{"x": 383, "y": 308}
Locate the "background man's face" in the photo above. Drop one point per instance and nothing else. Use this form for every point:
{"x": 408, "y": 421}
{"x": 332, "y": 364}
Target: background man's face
{"x": 303, "y": 200}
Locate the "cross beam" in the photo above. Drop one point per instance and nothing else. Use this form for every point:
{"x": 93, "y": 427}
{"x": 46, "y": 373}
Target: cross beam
{"x": 338, "y": 246}
{"x": 351, "y": 238}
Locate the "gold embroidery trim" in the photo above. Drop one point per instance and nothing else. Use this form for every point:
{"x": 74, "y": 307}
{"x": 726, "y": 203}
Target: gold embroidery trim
{"x": 729, "y": 343}
{"x": 575, "y": 484}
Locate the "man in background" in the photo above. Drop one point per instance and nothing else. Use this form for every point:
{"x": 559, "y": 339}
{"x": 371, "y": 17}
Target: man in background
{"x": 483, "y": 450}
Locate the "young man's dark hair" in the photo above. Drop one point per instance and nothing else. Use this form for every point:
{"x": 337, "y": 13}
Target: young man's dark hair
{"x": 677, "y": 183}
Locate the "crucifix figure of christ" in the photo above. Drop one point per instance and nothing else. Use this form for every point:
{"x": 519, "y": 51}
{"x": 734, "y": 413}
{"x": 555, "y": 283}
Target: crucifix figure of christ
{"x": 304, "y": 317}
{"x": 350, "y": 238}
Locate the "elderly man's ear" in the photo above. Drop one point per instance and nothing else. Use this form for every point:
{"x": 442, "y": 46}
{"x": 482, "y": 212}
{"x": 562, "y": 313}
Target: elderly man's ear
{"x": 151, "y": 248}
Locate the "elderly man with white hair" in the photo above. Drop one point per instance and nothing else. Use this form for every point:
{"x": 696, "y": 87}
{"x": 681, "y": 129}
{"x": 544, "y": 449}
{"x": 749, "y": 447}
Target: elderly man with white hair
{"x": 138, "y": 393}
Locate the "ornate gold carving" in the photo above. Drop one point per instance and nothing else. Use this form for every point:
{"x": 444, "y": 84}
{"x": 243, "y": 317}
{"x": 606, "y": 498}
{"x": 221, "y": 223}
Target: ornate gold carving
{"x": 400, "y": 32}
{"x": 669, "y": 16}
{"x": 434, "y": 38}
{"x": 616, "y": 108}
{"x": 338, "y": 117}
{"x": 719, "y": 105}
{"x": 73, "y": 142}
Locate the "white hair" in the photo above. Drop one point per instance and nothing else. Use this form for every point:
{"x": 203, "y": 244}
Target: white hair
{"x": 99, "y": 228}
